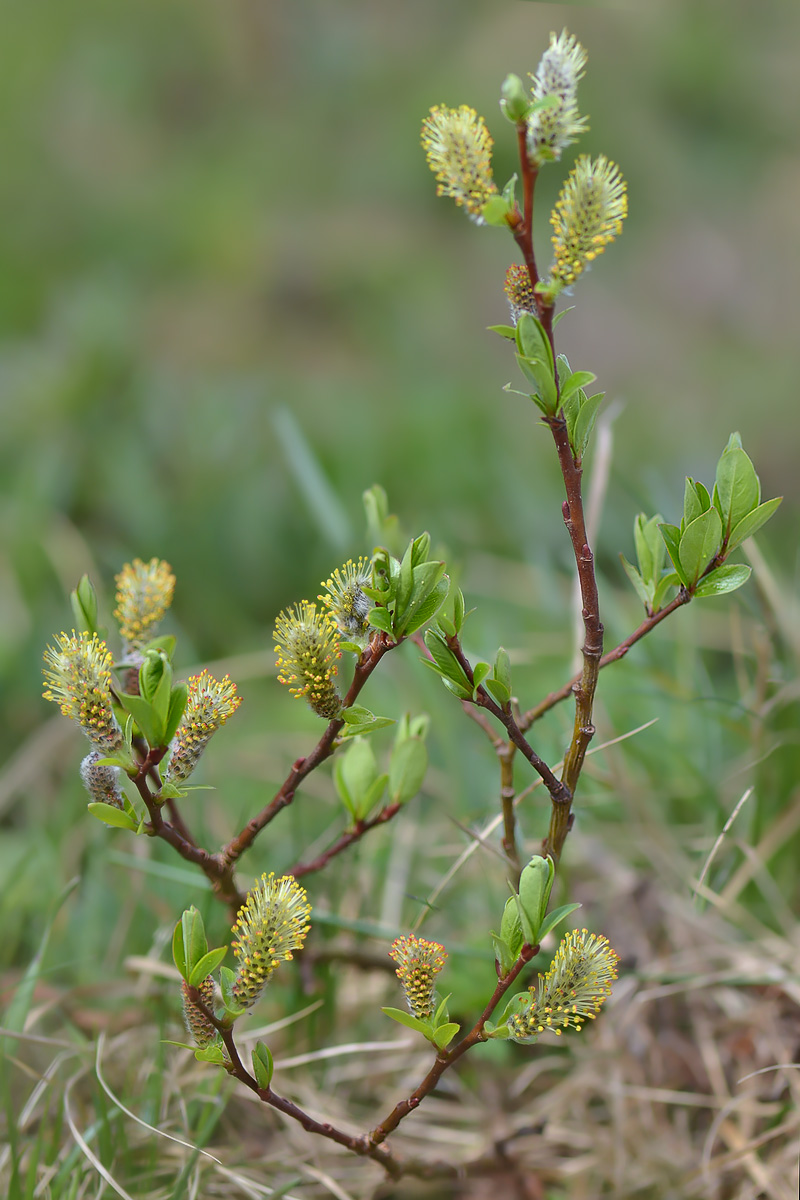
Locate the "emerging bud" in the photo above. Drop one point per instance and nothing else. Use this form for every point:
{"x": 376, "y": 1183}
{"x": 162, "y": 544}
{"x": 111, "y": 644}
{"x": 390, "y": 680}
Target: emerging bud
{"x": 197, "y": 1023}
{"x": 420, "y": 963}
{"x": 588, "y": 215}
{"x": 101, "y": 782}
{"x": 307, "y": 645}
{"x": 519, "y": 291}
{"x": 344, "y": 599}
{"x": 574, "y": 989}
{"x": 272, "y": 922}
{"x": 514, "y": 100}
{"x": 208, "y": 707}
{"x": 553, "y": 127}
{"x": 458, "y": 147}
{"x": 78, "y": 678}
{"x": 144, "y": 593}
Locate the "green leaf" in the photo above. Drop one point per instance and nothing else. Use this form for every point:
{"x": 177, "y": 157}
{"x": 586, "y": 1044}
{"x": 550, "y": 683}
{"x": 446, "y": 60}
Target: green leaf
{"x": 498, "y": 691}
{"x": 585, "y": 423}
{"x": 371, "y": 797}
{"x": 503, "y": 955}
{"x": 444, "y": 1035}
{"x": 738, "y": 486}
{"x": 533, "y": 342}
{"x": 356, "y": 714}
{"x": 381, "y": 618}
{"x": 208, "y": 963}
{"x": 195, "y": 945}
{"x": 501, "y": 672}
{"x": 212, "y": 1054}
{"x": 552, "y": 919}
{"x": 109, "y": 814}
{"x": 669, "y": 581}
{"x": 404, "y": 1018}
{"x": 365, "y": 728}
{"x": 540, "y": 375}
{"x": 263, "y": 1065}
{"x": 752, "y": 522}
{"x": 535, "y": 885}
{"x": 672, "y": 538}
{"x": 178, "y": 952}
{"x": 447, "y": 625}
{"x": 144, "y": 716}
{"x": 458, "y": 609}
{"x": 354, "y": 773}
{"x": 227, "y": 979}
{"x": 511, "y": 929}
{"x": 692, "y": 507}
{"x": 650, "y": 548}
{"x": 575, "y": 381}
{"x": 426, "y": 599}
{"x": 177, "y": 706}
{"x": 505, "y": 331}
{"x": 699, "y": 542}
{"x": 446, "y": 662}
{"x": 480, "y": 672}
{"x": 407, "y": 768}
{"x": 726, "y": 578}
{"x": 496, "y": 211}
{"x": 165, "y": 641}
{"x": 642, "y": 591}
{"x": 84, "y": 606}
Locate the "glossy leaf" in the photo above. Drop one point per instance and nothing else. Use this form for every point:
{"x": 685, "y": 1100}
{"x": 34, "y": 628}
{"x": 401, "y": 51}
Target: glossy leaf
{"x": 84, "y": 606}
{"x": 752, "y": 522}
{"x": 109, "y": 814}
{"x": 410, "y": 1022}
{"x": 672, "y": 539}
{"x": 578, "y": 379}
{"x": 407, "y": 768}
{"x": 263, "y": 1065}
{"x": 584, "y": 426}
{"x": 726, "y": 578}
{"x": 737, "y": 484}
{"x": 444, "y": 1035}
{"x": 699, "y": 542}
{"x": 208, "y": 963}
{"x": 175, "y": 710}
{"x": 552, "y": 919}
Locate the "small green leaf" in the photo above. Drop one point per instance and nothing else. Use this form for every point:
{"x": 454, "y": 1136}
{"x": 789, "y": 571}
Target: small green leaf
{"x": 511, "y": 929}
{"x": 665, "y": 585}
{"x": 642, "y": 591}
{"x": 227, "y": 978}
{"x": 458, "y": 609}
{"x": 365, "y": 728}
{"x": 404, "y": 1018}
{"x": 699, "y": 542}
{"x": 505, "y": 331}
{"x": 447, "y": 625}
{"x": 726, "y": 578}
{"x": 208, "y": 963}
{"x": 175, "y": 710}
{"x": 144, "y": 716}
{"x": 424, "y": 604}
{"x": 195, "y": 945}
{"x": 501, "y": 672}
{"x": 498, "y": 691}
{"x": 575, "y": 381}
{"x": 444, "y": 1035}
{"x": 503, "y": 955}
{"x": 692, "y": 507}
{"x": 480, "y": 672}
{"x": 371, "y": 797}
{"x": 738, "y": 486}
{"x": 109, "y": 814}
{"x": 263, "y": 1065}
{"x": 496, "y": 212}
{"x": 535, "y": 884}
{"x": 407, "y": 768}
{"x": 381, "y": 618}
{"x": 752, "y": 522}
{"x": 212, "y": 1054}
{"x": 532, "y": 340}
{"x": 178, "y": 952}
{"x": 672, "y": 539}
{"x": 552, "y": 919}
{"x": 354, "y": 772}
{"x": 84, "y": 606}
{"x": 585, "y": 423}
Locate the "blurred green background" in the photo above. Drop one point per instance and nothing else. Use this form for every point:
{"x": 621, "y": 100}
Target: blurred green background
{"x": 230, "y": 302}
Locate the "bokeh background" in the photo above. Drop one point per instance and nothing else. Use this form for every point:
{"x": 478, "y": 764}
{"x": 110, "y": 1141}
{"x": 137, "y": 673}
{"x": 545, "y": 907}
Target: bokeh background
{"x": 229, "y": 303}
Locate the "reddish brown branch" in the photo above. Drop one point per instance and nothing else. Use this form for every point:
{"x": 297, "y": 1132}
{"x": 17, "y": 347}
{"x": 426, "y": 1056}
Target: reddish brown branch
{"x": 533, "y": 714}
{"x": 344, "y": 840}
